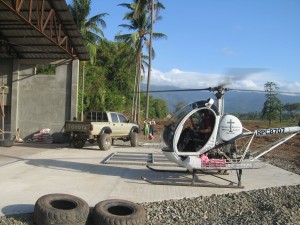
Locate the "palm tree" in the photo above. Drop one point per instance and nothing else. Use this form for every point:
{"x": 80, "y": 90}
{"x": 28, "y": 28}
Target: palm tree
{"x": 140, "y": 23}
{"x": 154, "y": 11}
{"x": 91, "y": 33}
{"x": 89, "y": 27}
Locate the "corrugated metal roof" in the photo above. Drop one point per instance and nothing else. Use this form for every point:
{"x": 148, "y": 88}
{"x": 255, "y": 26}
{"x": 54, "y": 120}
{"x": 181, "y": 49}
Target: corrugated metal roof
{"x": 42, "y": 29}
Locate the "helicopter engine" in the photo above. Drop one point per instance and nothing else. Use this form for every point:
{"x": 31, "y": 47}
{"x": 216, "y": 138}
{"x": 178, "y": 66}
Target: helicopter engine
{"x": 229, "y": 130}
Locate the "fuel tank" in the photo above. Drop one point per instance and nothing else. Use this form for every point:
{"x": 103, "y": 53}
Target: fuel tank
{"x": 230, "y": 128}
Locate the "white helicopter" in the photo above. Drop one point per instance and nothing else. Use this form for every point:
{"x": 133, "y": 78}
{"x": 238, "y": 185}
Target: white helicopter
{"x": 216, "y": 152}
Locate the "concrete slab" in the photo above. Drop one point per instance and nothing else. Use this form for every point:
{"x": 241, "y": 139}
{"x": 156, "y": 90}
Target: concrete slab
{"x": 29, "y": 171}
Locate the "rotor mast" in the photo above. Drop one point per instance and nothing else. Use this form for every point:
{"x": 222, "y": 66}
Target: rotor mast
{"x": 219, "y": 93}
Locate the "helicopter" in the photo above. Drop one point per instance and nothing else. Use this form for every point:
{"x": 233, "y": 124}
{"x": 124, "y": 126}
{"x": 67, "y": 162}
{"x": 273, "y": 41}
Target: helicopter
{"x": 185, "y": 145}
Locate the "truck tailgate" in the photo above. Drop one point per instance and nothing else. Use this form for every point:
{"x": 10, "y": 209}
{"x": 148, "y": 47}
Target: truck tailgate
{"x": 77, "y": 126}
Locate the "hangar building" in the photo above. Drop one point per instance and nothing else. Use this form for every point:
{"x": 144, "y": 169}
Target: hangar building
{"x": 38, "y": 33}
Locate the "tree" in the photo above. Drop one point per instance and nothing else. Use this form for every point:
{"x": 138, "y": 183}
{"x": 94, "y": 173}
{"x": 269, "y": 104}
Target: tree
{"x": 91, "y": 33}
{"x": 272, "y": 106}
{"x": 291, "y": 109}
{"x": 89, "y": 27}
{"x": 154, "y": 17}
{"x": 160, "y": 108}
{"x": 140, "y": 23}
{"x": 110, "y": 81}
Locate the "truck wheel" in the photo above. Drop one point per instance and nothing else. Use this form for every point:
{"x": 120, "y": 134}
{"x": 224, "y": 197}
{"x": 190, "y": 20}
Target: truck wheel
{"x": 104, "y": 141}
{"x": 60, "y": 209}
{"x": 77, "y": 140}
{"x": 134, "y": 139}
{"x": 118, "y": 212}
{"x": 78, "y": 143}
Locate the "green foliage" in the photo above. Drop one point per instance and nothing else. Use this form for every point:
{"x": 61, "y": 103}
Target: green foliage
{"x": 140, "y": 23}
{"x": 292, "y": 107}
{"x": 160, "y": 108}
{"x": 115, "y": 102}
{"x": 110, "y": 76}
{"x": 89, "y": 27}
{"x": 179, "y": 106}
{"x": 116, "y": 60}
{"x": 95, "y": 89}
{"x": 292, "y": 111}
{"x": 45, "y": 69}
{"x": 109, "y": 83}
{"x": 273, "y": 107}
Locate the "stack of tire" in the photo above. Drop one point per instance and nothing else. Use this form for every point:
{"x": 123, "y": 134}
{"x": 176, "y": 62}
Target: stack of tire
{"x": 64, "y": 209}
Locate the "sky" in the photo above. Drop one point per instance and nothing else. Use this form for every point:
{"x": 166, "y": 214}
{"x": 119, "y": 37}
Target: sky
{"x": 242, "y": 44}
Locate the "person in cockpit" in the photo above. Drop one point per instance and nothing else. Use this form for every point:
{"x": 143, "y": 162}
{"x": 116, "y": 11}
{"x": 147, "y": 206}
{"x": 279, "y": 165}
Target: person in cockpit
{"x": 205, "y": 127}
{"x": 194, "y": 135}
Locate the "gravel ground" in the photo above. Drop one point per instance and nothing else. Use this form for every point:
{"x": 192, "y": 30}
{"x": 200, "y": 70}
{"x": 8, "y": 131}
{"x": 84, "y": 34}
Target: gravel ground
{"x": 280, "y": 205}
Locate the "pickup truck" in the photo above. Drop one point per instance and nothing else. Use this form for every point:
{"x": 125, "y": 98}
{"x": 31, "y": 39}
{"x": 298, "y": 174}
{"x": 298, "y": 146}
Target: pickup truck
{"x": 103, "y": 128}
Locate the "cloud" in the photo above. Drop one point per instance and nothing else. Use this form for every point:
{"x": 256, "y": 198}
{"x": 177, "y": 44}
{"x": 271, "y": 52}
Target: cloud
{"x": 184, "y": 79}
{"x": 288, "y": 87}
{"x": 243, "y": 79}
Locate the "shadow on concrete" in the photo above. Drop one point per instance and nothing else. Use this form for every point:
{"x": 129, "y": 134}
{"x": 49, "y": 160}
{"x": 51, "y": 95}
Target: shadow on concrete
{"x": 109, "y": 170}
{"x": 87, "y": 146}
{"x": 40, "y": 145}
{"x": 17, "y": 209}
{"x": 122, "y": 171}
{"x": 62, "y": 165}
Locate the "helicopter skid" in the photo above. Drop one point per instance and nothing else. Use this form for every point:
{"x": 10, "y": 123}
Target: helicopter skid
{"x": 192, "y": 184}
{"x": 219, "y": 172}
{"x": 170, "y": 171}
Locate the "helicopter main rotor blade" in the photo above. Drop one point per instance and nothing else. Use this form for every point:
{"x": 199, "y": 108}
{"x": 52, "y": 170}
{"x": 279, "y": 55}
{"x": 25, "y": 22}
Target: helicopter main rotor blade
{"x": 177, "y": 90}
{"x": 263, "y": 91}
{"x": 219, "y": 88}
{"x": 237, "y": 74}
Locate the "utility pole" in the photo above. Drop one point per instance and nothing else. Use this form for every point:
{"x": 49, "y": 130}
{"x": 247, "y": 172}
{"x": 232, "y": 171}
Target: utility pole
{"x": 82, "y": 100}
{"x": 150, "y": 59}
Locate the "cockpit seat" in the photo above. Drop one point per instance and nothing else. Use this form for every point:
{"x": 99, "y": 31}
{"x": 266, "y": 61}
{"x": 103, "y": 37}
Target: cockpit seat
{"x": 190, "y": 141}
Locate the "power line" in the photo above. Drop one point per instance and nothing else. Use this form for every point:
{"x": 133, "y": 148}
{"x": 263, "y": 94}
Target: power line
{"x": 216, "y": 88}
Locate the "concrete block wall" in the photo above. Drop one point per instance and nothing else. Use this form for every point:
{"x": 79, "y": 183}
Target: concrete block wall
{"x": 5, "y": 78}
{"x": 42, "y": 101}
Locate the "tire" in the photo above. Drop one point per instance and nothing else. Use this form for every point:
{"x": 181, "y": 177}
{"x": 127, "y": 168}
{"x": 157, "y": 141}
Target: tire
{"x": 104, "y": 141}
{"x": 118, "y": 212}
{"x": 134, "y": 139}
{"x": 77, "y": 141}
{"x": 60, "y": 209}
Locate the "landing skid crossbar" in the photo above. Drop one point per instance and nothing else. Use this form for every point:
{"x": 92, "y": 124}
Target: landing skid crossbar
{"x": 193, "y": 180}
